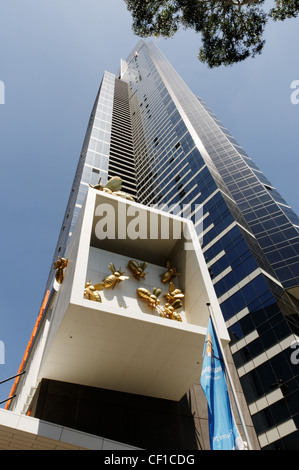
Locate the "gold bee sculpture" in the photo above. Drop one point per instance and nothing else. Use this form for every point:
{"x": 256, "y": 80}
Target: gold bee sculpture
{"x": 168, "y": 311}
{"x": 169, "y": 274}
{"x": 174, "y": 295}
{"x": 137, "y": 269}
{"x": 151, "y": 298}
{"x": 92, "y": 291}
{"x": 59, "y": 265}
{"x": 173, "y": 302}
{"x": 113, "y": 186}
{"x": 114, "y": 278}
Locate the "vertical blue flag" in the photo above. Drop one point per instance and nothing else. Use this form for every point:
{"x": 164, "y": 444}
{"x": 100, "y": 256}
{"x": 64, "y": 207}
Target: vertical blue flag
{"x": 223, "y": 431}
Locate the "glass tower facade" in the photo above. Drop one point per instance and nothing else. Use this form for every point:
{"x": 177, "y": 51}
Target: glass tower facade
{"x": 188, "y": 163}
{"x": 174, "y": 154}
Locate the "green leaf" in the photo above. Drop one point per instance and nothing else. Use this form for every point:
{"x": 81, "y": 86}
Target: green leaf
{"x": 230, "y": 30}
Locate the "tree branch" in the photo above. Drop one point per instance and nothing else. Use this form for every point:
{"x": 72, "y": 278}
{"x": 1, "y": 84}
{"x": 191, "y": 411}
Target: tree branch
{"x": 240, "y": 3}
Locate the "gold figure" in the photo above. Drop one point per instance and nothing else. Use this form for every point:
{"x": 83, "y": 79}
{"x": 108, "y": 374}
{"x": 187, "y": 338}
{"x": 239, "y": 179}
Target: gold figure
{"x": 169, "y": 274}
{"x": 173, "y": 303}
{"x": 151, "y": 298}
{"x": 92, "y": 291}
{"x": 169, "y": 312}
{"x": 137, "y": 269}
{"x": 114, "y": 278}
{"x": 59, "y": 265}
{"x": 113, "y": 186}
{"x": 174, "y": 295}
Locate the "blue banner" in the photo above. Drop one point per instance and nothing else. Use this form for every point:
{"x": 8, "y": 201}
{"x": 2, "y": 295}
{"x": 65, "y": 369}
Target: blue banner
{"x": 223, "y": 431}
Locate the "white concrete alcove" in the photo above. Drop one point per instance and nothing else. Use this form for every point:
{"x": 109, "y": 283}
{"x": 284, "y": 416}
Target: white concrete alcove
{"x": 121, "y": 343}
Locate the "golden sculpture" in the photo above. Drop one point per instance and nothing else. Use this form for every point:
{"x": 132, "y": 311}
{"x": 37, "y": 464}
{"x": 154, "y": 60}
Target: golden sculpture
{"x": 169, "y": 312}
{"x": 59, "y": 265}
{"x": 92, "y": 291}
{"x": 169, "y": 274}
{"x": 173, "y": 296}
{"x": 113, "y": 186}
{"x": 151, "y": 298}
{"x": 137, "y": 269}
{"x": 173, "y": 301}
{"x": 114, "y": 278}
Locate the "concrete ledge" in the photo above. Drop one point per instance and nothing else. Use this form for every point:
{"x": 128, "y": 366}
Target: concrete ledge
{"x": 19, "y": 432}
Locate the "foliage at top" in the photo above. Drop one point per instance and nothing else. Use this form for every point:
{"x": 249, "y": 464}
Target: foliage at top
{"x": 231, "y": 30}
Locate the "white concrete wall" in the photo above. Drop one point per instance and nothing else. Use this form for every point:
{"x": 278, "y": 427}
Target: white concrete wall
{"x": 124, "y": 295}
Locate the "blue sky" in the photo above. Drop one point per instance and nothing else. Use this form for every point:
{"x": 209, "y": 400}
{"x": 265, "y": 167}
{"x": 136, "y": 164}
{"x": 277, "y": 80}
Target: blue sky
{"x": 52, "y": 57}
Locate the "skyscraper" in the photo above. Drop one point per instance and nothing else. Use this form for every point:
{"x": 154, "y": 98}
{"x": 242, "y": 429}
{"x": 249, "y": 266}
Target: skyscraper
{"x": 176, "y": 157}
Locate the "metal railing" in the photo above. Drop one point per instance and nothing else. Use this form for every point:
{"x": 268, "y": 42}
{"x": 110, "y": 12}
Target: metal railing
{"x": 6, "y": 380}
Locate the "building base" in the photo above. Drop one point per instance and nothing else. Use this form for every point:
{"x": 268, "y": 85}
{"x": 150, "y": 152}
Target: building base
{"x": 143, "y": 422}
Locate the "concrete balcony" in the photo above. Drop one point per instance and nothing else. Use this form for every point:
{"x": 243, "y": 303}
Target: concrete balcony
{"x": 121, "y": 343}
